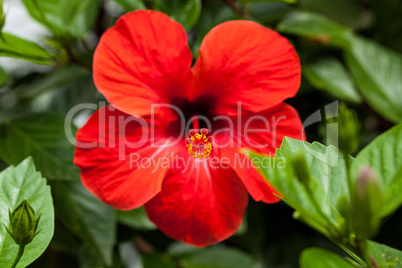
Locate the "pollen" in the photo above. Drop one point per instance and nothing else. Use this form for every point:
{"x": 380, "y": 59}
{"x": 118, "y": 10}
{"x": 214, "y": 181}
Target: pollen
{"x": 199, "y": 145}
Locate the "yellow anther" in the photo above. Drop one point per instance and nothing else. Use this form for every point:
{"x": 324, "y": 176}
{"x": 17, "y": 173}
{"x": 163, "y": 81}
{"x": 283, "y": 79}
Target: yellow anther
{"x": 199, "y": 145}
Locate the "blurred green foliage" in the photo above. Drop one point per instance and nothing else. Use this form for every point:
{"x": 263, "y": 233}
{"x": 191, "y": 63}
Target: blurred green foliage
{"x": 349, "y": 50}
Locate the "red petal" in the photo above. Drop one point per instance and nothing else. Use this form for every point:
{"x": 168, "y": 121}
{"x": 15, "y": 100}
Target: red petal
{"x": 106, "y": 167}
{"x": 143, "y": 60}
{"x": 242, "y": 61}
{"x": 282, "y": 120}
{"x": 202, "y": 206}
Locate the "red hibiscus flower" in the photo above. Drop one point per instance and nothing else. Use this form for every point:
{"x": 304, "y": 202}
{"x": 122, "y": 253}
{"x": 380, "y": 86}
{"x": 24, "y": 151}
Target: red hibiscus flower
{"x": 140, "y": 150}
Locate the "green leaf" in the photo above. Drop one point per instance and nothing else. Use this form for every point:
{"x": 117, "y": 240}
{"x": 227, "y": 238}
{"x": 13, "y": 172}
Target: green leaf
{"x": 17, "y": 183}
{"x": 59, "y": 91}
{"x": 317, "y": 202}
{"x": 155, "y": 260}
{"x": 268, "y": 12}
{"x": 313, "y": 25}
{"x": 130, "y": 5}
{"x": 15, "y": 47}
{"x": 129, "y": 255}
{"x": 88, "y": 258}
{"x": 319, "y": 258}
{"x": 87, "y": 216}
{"x": 384, "y": 156}
{"x": 219, "y": 257}
{"x": 71, "y": 17}
{"x": 345, "y": 12}
{"x": 329, "y": 74}
{"x": 179, "y": 249}
{"x": 3, "y": 77}
{"x": 386, "y": 257}
{"x": 377, "y": 72}
{"x": 64, "y": 242}
{"x": 186, "y": 12}
{"x": 43, "y": 136}
{"x": 136, "y": 218}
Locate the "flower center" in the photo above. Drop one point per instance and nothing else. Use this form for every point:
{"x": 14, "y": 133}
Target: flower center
{"x": 199, "y": 144}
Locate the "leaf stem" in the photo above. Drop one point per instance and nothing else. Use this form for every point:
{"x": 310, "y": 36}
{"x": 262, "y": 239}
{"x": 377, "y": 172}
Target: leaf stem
{"x": 18, "y": 257}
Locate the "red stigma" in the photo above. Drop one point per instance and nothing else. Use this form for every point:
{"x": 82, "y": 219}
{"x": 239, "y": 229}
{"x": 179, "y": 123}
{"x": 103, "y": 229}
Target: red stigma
{"x": 192, "y": 132}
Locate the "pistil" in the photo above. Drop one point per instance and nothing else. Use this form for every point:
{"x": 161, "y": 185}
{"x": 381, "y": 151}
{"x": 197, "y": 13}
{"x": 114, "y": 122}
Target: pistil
{"x": 199, "y": 145}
